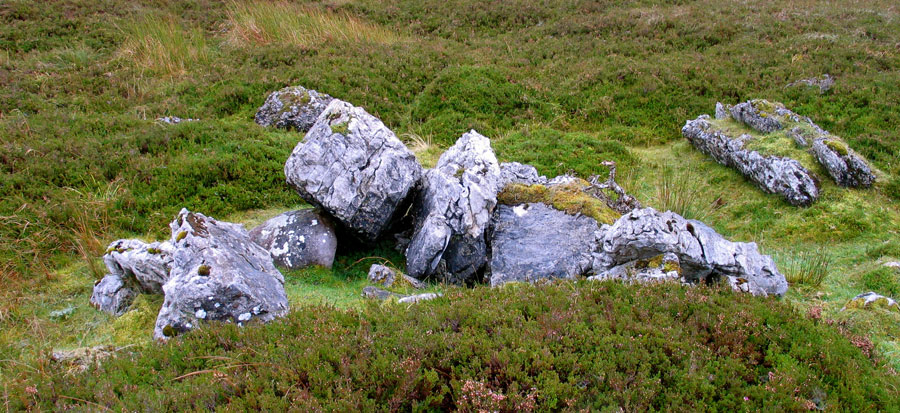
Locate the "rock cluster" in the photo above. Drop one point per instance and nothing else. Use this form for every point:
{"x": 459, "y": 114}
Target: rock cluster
{"x": 773, "y": 174}
{"x": 777, "y": 174}
{"x": 469, "y": 219}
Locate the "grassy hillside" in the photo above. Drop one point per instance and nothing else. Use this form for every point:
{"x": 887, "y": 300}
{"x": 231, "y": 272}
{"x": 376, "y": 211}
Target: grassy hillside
{"x": 560, "y": 84}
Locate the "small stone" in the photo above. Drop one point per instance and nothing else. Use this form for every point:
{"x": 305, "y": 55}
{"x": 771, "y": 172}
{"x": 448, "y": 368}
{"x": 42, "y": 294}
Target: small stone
{"x": 872, "y": 299}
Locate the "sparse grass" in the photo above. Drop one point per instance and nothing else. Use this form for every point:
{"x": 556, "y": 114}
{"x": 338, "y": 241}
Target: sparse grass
{"x": 682, "y": 192}
{"x": 260, "y": 23}
{"x": 804, "y": 268}
{"x": 160, "y": 45}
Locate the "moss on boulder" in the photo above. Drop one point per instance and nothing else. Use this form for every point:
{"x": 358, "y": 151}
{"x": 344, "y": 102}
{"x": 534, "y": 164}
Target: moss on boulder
{"x": 569, "y": 198}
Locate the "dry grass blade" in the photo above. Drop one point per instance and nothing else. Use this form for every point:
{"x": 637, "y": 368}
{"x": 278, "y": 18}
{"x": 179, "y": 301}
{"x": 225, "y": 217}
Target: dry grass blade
{"x": 261, "y": 23}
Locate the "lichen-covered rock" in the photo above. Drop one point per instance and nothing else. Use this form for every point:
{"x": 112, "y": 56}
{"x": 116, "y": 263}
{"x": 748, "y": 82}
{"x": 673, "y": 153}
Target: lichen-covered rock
{"x": 721, "y": 112}
{"x": 354, "y": 168}
{"x": 412, "y": 299}
{"x": 517, "y": 173}
{"x": 292, "y": 108}
{"x": 530, "y": 242}
{"x": 453, "y": 210}
{"x": 387, "y": 277}
{"x": 703, "y": 255}
{"x": 219, "y": 274}
{"x": 298, "y": 239}
{"x": 112, "y": 295}
{"x": 744, "y": 285}
{"x": 146, "y": 264}
{"x": 664, "y": 267}
{"x": 376, "y": 293}
{"x": 872, "y": 299}
{"x": 773, "y": 174}
{"x": 845, "y": 167}
{"x": 757, "y": 115}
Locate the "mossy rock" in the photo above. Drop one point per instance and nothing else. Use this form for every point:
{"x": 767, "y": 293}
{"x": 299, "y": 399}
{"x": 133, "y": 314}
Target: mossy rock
{"x": 569, "y": 198}
{"x": 341, "y": 128}
{"x": 839, "y": 147}
{"x": 294, "y": 99}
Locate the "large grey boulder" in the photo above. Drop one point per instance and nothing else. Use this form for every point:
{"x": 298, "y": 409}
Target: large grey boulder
{"x": 845, "y": 167}
{"x": 703, "y": 255}
{"x": 298, "y": 239}
{"x": 113, "y": 295}
{"x": 773, "y": 174}
{"x": 147, "y": 264}
{"x": 218, "y": 273}
{"x": 453, "y": 211}
{"x": 533, "y": 241}
{"x": 354, "y": 168}
{"x": 292, "y": 108}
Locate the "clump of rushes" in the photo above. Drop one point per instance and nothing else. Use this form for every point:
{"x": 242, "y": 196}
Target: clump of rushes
{"x": 805, "y": 267}
{"x": 569, "y": 198}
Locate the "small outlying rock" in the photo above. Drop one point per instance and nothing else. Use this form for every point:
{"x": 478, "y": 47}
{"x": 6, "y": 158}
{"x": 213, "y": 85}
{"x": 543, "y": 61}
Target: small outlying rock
{"x": 453, "y": 210}
{"x": 892, "y": 264}
{"x": 80, "y": 359}
{"x": 174, "y": 120}
{"x": 376, "y": 293}
{"x": 292, "y": 108}
{"x": 387, "y": 276}
{"x": 872, "y": 300}
{"x": 354, "y": 168}
{"x": 217, "y": 274}
{"x": 703, "y": 255}
{"x": 298, "y": 239}
{"x": 773, "y": 174}
{"x": 824, "y": 83}
{"x": 533, "y": 241}
{"x": 112, "y": 295}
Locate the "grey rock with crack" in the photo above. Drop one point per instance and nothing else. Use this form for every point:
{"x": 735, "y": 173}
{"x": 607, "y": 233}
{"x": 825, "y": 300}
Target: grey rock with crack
{"x": 663, "y": 268}
{"x": 752, "y": 116}
{"x": 354, "y": 168}
{"x": 773, "y": 174}
{"x": 453, "y": 210}
{"x": 530, "y": 242}
{"x": 298, "y": 239}
{"x": 292, "y": 108}
{"x": 703, "y": 255}
{"x": 217, "y": 274}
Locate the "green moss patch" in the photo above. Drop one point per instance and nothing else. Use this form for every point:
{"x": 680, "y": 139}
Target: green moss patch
{"x": 569, "y": 198}
{"x": 341, "y": 128}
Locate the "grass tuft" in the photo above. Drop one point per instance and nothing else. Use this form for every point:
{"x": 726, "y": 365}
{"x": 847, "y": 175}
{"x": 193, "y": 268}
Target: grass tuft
{"x": 805, "y": 267}
{"x": 268, "y": 22}
{"x": 160, "y": 45}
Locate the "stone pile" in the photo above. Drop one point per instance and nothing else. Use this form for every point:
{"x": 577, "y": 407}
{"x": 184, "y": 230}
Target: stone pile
{"x": 469, "y": 220}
